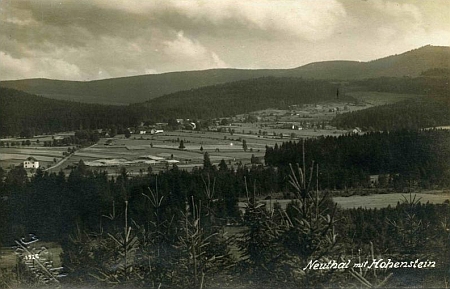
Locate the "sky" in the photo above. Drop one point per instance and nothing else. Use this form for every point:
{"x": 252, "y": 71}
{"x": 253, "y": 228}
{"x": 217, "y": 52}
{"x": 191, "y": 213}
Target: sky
{"x": 96, "y": 39}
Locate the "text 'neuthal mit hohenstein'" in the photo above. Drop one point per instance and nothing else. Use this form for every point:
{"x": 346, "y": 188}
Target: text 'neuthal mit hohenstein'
{"x": 374, "y": 264}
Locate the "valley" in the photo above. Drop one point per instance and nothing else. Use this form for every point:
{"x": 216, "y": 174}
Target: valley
{"x": 230, "y": 177}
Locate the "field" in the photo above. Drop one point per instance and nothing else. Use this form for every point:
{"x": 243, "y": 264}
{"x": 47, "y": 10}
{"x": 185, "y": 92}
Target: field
{"x": 140, "y": 152}
{"x": 46, "y": 156}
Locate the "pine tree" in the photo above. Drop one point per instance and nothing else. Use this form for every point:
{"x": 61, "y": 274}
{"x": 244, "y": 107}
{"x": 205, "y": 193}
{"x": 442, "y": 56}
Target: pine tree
{"x": 223, "y": 166}
{"x": 311, "y": 234}
{"x": 244, "y": 145}
{"x": 207, "y": 165}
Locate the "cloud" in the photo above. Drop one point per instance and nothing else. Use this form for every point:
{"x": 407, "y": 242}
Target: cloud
{"x": 408, "y": 12}
{"x": 403, "y": 25}
{"x": 308, "y": 19}
{"x": 45, "y": 67}
{"x": 91, "y": 39}
{"x": 192, "y": 52}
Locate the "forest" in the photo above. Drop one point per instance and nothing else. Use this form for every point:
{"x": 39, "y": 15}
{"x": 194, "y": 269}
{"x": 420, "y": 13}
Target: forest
{"x": 171, "y": 230}
{"x": 405, "y": 158}
{"x": 430, "y": 108}
{"x": 26, "y": 115}
{"x": 436, "y": 86}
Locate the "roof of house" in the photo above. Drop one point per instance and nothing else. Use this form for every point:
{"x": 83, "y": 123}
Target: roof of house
{"x": 31, "y": 159}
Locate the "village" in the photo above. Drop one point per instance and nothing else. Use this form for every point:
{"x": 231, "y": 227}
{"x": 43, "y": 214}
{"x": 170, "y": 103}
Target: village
{"x": 157, "y": 146}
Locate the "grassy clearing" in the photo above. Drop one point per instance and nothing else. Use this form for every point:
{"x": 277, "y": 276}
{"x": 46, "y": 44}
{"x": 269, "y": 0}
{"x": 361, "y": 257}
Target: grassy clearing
{"x": 371, "y": 201}
{"x": 384, "y": 200}
{"x": 373, "y": 98}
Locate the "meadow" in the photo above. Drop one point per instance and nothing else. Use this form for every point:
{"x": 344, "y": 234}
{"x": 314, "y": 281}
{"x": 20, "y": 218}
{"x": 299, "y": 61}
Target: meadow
{"x": 375, "y": 201}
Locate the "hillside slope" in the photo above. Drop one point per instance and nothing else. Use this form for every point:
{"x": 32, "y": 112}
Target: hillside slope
{"x": 241, "y": 97}
{"x": 411, "y": 64}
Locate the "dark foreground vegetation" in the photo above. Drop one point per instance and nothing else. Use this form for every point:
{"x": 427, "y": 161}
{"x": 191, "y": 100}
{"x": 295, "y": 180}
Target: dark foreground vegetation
{"x": 171, "y": 230}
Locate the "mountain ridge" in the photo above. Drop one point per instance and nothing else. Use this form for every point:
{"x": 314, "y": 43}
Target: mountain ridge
{"x": 141, "y": 88}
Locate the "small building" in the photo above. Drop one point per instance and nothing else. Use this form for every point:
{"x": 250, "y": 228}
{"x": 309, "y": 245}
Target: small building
{"x": 31, "y": 163}
{"x": 156, "y": 131}
{"x": 296, "y": 127}
{"x": 356, "y": 130}
{"x": 374, "y": 180}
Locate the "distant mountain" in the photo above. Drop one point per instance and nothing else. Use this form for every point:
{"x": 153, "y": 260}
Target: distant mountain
{"x": 134, "y": 89}
{"x": 413, "y": 63}
{"x": 142, "y": 88}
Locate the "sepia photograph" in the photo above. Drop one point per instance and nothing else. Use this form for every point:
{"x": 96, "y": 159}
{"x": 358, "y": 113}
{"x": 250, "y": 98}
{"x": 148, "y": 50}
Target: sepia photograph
{"x": 224, "y": 144}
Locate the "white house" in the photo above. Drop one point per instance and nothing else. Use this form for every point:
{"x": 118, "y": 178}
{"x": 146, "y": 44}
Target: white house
{"x": 356, "y": 130}
{"x": 31, "y": 163}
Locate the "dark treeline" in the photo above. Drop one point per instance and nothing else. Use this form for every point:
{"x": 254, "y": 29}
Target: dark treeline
{"x": 404, "y": 158}
{"x": 22, "y": 114}
{"x": 408, "y": 114}
{"x": 240, "y": 97}
{"x": 53, "y": 204}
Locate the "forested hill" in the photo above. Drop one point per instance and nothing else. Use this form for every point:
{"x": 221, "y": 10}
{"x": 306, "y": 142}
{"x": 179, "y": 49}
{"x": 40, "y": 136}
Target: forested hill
{"x": 135, "y": 89}
{"x": 409, "y": 64}
{"x": 25, "y": 114}
{"x": 414, "y": 113}
{"x": 241, "y": 97}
